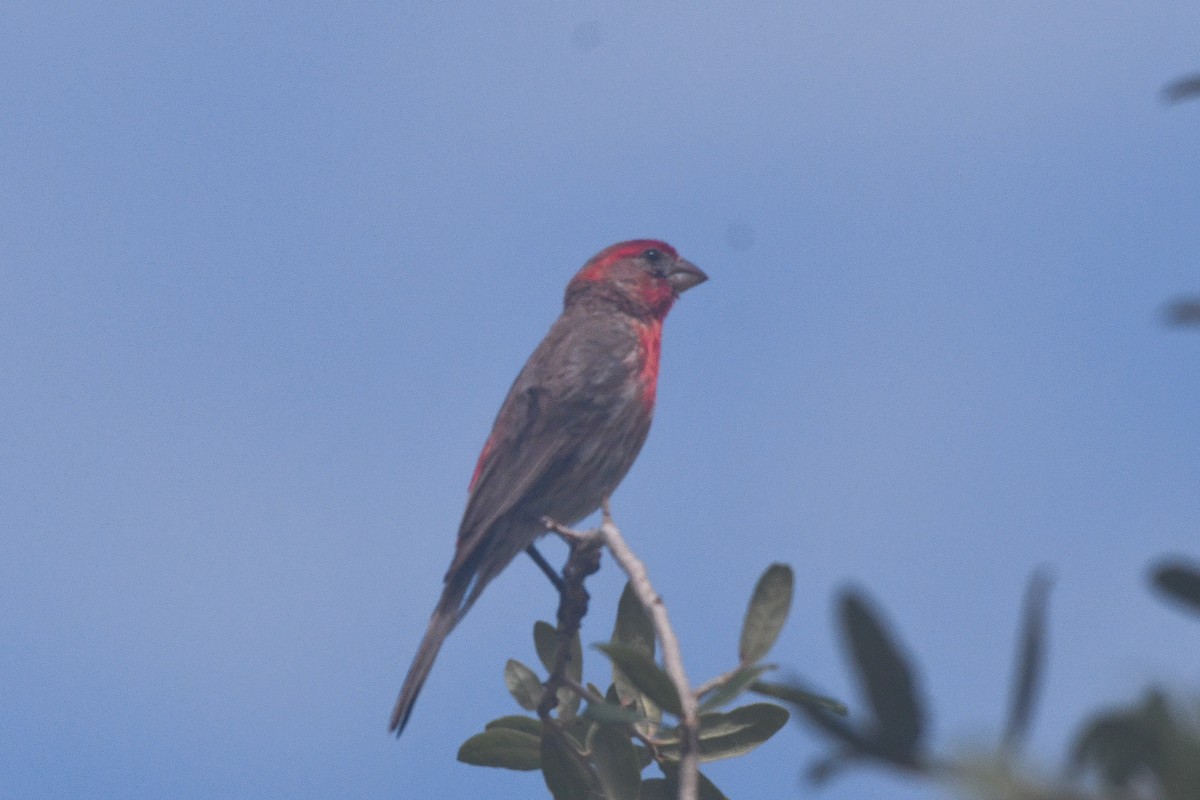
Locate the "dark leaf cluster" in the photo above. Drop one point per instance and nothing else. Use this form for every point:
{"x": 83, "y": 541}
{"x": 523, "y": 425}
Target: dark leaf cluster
{"x": 596, "y": 744}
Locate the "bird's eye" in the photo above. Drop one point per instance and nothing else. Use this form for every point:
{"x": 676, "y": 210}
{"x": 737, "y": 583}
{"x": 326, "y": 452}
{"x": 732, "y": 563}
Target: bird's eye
{"x": 652, "y": 255}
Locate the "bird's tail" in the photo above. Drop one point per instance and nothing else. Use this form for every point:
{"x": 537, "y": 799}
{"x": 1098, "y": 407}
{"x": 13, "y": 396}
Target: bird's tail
{"x": 449, "y": 611}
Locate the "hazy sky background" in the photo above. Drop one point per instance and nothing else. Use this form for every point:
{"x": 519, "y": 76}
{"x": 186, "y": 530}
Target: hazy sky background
{"x": 268, "y": 271}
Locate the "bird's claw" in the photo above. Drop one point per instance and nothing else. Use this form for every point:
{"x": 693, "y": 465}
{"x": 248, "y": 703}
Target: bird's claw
{"x": 571, "y": 536}
{"x": 550, "y": 525}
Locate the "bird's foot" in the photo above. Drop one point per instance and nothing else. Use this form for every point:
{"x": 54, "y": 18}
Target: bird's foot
{"x": 571, "y": 536}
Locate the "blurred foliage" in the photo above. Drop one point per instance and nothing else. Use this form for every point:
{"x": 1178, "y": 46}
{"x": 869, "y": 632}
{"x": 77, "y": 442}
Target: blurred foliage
{"x": 1146, "y": 750}
{"x": 1179, "y": 582}
{"x": 1185, "y": 88}
{"x": 1182, "y": 311}
{"x": 1149, "y": 750}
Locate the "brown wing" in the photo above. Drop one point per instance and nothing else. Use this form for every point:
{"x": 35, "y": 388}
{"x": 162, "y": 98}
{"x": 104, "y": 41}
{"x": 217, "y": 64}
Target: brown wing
{"x": 550, "y": 409}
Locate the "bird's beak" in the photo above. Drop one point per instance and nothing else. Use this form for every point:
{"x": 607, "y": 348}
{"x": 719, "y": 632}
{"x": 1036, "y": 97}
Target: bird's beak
{"x": 684, "y": 275}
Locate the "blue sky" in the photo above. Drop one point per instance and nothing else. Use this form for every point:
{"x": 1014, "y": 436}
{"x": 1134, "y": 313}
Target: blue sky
{"x": 269, "y": 271}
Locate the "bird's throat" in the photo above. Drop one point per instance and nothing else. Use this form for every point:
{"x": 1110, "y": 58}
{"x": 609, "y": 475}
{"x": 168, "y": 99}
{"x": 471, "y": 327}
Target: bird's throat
{"x": 650, "y": 345}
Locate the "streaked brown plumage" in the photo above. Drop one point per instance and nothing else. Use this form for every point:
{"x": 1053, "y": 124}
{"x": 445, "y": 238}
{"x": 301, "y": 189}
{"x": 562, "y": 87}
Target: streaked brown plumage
{"x": 568, "y": 431}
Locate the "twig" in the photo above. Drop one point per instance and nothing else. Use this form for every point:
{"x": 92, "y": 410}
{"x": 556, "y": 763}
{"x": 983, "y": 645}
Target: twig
{"x": 672, "y": 660}
{"x": 596, "y": 697}
{"x": 716, "y": 683}
{"x": 584, "y": 560}
{"x": 610, "y": 536}
{"x": 583, "y": 691}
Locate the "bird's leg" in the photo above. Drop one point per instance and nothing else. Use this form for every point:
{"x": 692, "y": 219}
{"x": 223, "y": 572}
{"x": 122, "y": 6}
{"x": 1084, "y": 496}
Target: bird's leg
{"x": 545, "y": 567}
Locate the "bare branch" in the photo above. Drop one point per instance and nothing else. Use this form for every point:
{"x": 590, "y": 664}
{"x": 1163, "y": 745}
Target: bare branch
{"x": 689, "y": 725}
{"x": 609, "y": 535}
{"x": 717, "y": 682}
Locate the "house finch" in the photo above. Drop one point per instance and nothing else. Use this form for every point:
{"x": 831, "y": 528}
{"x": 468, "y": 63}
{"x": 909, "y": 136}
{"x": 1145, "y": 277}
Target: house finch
{"x": 568, "y": 431}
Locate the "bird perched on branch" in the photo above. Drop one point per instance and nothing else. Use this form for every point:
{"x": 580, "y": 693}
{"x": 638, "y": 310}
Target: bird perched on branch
{"x": 568, "y": 431}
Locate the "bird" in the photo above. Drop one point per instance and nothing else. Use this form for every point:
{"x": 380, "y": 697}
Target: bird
{"x": 568, "y": 430}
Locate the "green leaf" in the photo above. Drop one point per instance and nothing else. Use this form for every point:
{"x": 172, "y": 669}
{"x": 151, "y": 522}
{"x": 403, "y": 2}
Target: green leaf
{"x": 656, "y": 789}
{"x": 610, "y": 713}
{"x": 799, "y": 697}
{"x": 645, "y": 675}
{"x": 734, "y": 686}
{"x": 708, "y": 790}
{"x": 616, "y": 763}
{"x": 887, "y": 678}
{"x": 827, "y": 715}
{"x": 577, "y": 730}
{"x": 633, "y": 626}
{"x": 517, "y": 722}
{"x": 766, "y": 613}
{"x": 1180, "y": 582}
{"x": 1177, "y": 90}
{"x": 502, "y": 747}
{"x": 634, "y": 629}
{"x": 546, "y": 639}
{"x": 1126, "y": 746}
{"x": 731, "y": 734}
{"x": 564, "y": 775}
{"x": 1029, "y": 661}
{"x": 523, "y": 684}
{"x": 650, "y": 715}
{"x": 822, "y": 770}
